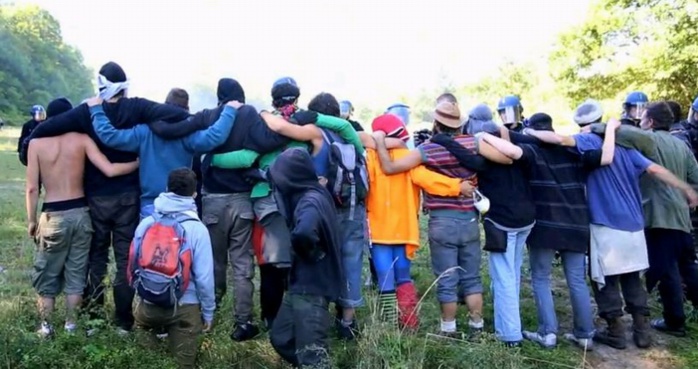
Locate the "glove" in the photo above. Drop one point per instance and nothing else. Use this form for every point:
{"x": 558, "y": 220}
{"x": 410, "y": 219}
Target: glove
{"x": 303, "y": 117}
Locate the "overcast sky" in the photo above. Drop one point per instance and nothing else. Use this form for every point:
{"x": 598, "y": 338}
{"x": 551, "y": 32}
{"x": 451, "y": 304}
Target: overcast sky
{"x": 368, "y": 51}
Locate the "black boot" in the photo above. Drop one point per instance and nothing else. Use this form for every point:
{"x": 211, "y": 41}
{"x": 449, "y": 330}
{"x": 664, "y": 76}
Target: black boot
{"x": 613, "y": 335}
{"x": 641, "y": 331}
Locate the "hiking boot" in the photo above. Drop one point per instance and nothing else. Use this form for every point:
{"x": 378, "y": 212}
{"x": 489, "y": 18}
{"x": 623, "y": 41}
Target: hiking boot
{"x": 407, "y": 301}
{"x": 641, "y": 331}
{"x": 347, "y": 332}
{"x": 660, "y": 325}
{"x": 583, "y": 343}
{"x": 244, "y": 332}
{"x": 613, "y": 335}
{"x": 548, "y": 341}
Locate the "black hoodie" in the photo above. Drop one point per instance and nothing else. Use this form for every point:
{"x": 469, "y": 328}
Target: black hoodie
{"x": 316, "y": 267}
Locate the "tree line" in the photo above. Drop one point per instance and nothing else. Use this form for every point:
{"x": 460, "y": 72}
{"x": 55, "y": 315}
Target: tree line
{"x": 36, "y": 65}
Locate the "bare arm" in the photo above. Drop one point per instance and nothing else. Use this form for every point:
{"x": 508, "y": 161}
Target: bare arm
{"x": 32, "y": 188}
{"x": 390, "y": 142}
{"x": 411, "y": 160}
{"x": 608, "y": 149}
{"x": 552, "y": 138}
{"x": 501, "y": 146}
{"x": 279, "y": 125}
{"x": 100, "y": 161}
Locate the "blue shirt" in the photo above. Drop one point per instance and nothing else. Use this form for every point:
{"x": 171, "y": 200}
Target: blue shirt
{"x": 613, "y": 191}
{"x": 158, "y": 156}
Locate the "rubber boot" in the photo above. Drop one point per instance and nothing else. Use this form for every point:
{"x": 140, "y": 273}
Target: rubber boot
{"x": 641, "y": 331}
{"x": 614, "y": 335}
{"x": 387, "y": 305}
{"x": 407, "y": 300}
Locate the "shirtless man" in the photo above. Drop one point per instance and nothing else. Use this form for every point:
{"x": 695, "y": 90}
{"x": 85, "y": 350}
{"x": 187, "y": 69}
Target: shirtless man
{"x": 64, "y": 231}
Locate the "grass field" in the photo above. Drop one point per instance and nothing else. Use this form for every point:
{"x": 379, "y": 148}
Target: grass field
{"x": 379, "y": 346}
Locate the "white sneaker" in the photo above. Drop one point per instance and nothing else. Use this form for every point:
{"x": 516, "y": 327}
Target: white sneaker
{"x": 70, "y": 327}
{"x": 45, "y": 331}
{"x": 583, "y": 343}
{"x": 122, "y": 332}
{"x": 162, "y": 336}
{"x": 547, "y": 341}
{"x": 478, "y": 326}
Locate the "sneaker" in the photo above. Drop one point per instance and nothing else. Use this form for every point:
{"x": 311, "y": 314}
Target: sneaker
{"x": 162, "y": 336}
{"x": 347, "y": 332}
{"x": 121, "y": 332}
{"x": 45, "y": 331}
{"x": 512, "y": 344}
{"x": 548, "y": 341}
{"x": 476, "y": 326}
{"x": 70, "y": 328}
{"x": 244, "y": 332}
{"x": 453, "y": 335}
{"x": 660, "y": 325}
{"x": 583, "y": 343}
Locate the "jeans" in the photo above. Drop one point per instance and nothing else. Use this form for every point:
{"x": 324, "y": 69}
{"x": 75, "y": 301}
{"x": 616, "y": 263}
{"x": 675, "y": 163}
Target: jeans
{"x": 353, "y": 239}
{"x": 455, "y": 257}
{"x": 392, "y": 266}
{"x": 672, "y": 260}
{"x": 573, "y": 264}
{"x": 229, "y": 219}
{"x": 146, "y": 211}
{"x": 505, "y": 269}
{"x": 183, "y": 326}
{"x": 299, "y": 334}
{"x": 609, "y": 301}
{"x": 114, "y": 220}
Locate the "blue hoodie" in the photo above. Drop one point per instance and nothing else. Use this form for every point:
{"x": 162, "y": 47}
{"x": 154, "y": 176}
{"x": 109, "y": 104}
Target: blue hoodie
{"x": 158, "y": 156}
{"x": 201, "y": 287}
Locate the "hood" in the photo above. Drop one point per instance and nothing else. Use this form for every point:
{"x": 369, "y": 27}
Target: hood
{"x": 480, "y": 120}
{"x": 293, "y": 172}
{"x": 58, "y": 106}
{"x": 229, "y": 90}
{"x": 169, "y": 202}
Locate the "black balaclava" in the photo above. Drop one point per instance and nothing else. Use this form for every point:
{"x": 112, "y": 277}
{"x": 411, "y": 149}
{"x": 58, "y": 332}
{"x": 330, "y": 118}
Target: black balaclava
{"x": 58, "y": 106}
{"x": 229, "y": 90}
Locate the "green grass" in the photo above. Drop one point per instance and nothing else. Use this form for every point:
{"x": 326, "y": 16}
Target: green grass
{"x": 379, "y": 347}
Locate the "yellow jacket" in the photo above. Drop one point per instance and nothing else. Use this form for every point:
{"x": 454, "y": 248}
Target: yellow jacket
{"x": 393, "y": 201}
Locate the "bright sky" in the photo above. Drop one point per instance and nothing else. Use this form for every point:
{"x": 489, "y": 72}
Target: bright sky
{"x": 368, "y": 51}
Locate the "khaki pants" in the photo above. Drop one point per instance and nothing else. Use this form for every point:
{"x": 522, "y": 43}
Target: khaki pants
{"x": 183, "y": 327}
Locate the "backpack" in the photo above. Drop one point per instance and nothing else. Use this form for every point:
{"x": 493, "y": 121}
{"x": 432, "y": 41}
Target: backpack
{"x": 160, "y": 261}
{"x": 347, "y": 177}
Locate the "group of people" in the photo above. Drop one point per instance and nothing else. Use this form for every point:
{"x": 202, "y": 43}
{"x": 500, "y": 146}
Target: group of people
{"x": 180, "y": 197}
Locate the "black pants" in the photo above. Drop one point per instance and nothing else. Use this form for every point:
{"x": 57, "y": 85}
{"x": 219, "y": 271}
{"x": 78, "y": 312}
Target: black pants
{"x": 299, "y": 334}
{"x": 114, "y": 219}
{"x": 274, "y": 282}
{"x": 609, "y": 299}
{"x": 672, "y": 259}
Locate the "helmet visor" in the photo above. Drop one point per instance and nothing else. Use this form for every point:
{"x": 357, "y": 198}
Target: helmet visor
{"x": 510, "y": 115}
{"x": 636, "y": 110}
{"x": 345, "y": 110}
{"x": 40, "y": 115}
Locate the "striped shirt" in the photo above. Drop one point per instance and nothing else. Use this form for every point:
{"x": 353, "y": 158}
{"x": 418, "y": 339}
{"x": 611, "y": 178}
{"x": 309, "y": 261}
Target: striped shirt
{"x": 436, "y": 158}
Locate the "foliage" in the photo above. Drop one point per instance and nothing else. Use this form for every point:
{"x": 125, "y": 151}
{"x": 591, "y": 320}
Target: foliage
{"x": 626, "y": 45}
{"x": 36, "y": 66}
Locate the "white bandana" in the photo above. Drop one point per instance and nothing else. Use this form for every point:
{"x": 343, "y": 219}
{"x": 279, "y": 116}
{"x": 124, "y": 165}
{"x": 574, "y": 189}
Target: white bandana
{"x": 108, "y": 89}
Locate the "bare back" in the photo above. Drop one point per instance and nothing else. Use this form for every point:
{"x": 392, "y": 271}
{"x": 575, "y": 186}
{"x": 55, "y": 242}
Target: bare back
{"x": 61, "y": 165}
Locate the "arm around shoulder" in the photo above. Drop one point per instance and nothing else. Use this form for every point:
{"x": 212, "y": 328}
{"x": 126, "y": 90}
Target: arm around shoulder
{"x": 100, "y": 161}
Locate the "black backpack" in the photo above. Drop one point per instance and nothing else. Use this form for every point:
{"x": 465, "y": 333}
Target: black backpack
{"x": 347, "y": 177}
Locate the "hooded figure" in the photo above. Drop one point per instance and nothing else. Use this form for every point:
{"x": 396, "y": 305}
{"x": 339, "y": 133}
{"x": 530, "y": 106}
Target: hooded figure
{"x": 480, "y": 120}
{"x": 58, "y": 106}
{"x": 300, "y": 330}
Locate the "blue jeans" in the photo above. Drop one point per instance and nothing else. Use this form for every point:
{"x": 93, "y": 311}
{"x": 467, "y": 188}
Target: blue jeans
{"x": 146, "y": 211}
{"x": 505, "y": 270}
{"x": 392, "y": 266}
{"x": 574, "y": 265}
{"x": 353, "y": 239}
{"x": 455, "y": 257}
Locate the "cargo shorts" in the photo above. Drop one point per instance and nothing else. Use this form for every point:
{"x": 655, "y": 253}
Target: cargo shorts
{"x": 63, "y": 248}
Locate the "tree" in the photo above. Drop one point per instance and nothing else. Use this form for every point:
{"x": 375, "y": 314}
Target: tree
{"x": 625, "y": 45}
{"x": 36, "y": 66}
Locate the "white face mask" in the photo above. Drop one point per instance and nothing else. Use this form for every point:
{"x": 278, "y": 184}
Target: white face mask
{"x": 482, "y": 203}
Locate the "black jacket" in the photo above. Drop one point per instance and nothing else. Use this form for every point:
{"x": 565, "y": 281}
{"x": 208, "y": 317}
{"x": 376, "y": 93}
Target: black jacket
{"x": 124, "y": 113}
